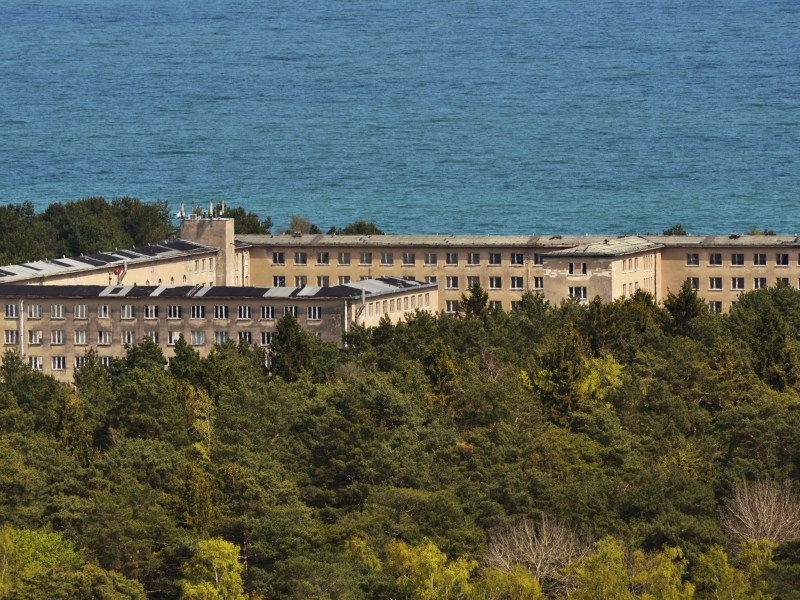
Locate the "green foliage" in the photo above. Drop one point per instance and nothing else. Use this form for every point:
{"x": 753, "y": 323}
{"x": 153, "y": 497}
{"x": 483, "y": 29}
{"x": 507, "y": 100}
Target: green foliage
{"x": 246, "y": 222}
{"x": 422, "y": 572}
{"x": 298, "y": 224}
{"x": 214, "y": 572}
{"x": 359, "y": 227}
{"x": 388, "y": 468}
{"x": 674, "y": 230}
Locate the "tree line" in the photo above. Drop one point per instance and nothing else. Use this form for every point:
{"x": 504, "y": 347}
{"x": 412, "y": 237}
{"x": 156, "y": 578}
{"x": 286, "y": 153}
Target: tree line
{"x": 580, "y": 450}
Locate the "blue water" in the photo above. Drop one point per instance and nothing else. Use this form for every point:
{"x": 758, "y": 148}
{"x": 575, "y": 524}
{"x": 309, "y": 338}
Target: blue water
{"x": 462, "y": 116}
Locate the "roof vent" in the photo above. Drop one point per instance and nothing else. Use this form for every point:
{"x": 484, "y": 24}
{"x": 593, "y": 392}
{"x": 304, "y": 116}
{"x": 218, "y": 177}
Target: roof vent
{"x": 734, "y": 236}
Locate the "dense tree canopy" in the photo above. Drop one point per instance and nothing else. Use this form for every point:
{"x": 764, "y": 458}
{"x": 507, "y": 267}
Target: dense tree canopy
{"x": 80, "y": 227}
{"x": 585, "y": 450}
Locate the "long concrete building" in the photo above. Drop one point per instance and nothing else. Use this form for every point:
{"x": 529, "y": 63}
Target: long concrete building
{"x": 52, "y": 326}
{"x": 582, "y": 267}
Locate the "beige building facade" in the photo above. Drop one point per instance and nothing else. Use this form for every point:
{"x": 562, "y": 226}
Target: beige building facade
{"x": 52, "y": 327}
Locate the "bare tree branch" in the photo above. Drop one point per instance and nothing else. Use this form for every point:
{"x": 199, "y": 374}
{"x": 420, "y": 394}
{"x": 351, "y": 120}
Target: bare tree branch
{"x": 763, "y": 510}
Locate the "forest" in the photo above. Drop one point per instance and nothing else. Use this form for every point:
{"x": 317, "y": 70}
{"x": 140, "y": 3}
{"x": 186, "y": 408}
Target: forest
{"x": 575, "y": 451}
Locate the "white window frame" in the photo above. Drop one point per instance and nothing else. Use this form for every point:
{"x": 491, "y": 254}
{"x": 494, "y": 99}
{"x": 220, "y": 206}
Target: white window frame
{"x": 103, "y": 311}
{"x": 409, "y": 259}
{"x": 245, "y": 312}
{"x": 278, "y": 258}
{"x": 11, "y": 337}
{"x": 451, "y": 282}
{"x": 517, "y": 283}
{"x": 451, "y": 306}
{"x": 35, "y": 362}
{"x": 495, "y": 283}
{"x": 198, "y": 311}
{"x": 198, "y": 338}
{"x": 314, "y": 313}
{"x": 220, "y": 311}
{"x": 451, "y": 259}
{"x": 57, "y": 337}
{"x": 11, "y": 311}
{"x": 473, "y": 258}
{"x": 34, "y": 311}
{"x": 57, "y": 311}
{"x": 80, "y": 311}
{"x": 517, "y": 259}
{"x": 104, "y": 337}
{"x": 127, "y": 311}
{"x": 34, "y": 337}
{"x": 267, "y": 312}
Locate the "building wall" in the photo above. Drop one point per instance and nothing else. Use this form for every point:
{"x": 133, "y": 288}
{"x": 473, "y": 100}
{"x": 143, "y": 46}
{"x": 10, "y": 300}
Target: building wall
{"x": 194, "y": 269}
{"x": 504, "y": 272}
{"x": 721, "y": 283}
{"x": 633, "y": 272}
{"x": 60, "y": 330}
{"x": 218, "y": 233}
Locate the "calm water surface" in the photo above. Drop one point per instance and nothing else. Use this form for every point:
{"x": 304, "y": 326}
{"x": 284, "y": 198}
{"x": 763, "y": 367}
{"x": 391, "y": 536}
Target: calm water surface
{"x": 610, "y": 116}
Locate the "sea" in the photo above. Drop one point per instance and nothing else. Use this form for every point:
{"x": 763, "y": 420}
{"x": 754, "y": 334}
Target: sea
{"x": 424, "y": 116}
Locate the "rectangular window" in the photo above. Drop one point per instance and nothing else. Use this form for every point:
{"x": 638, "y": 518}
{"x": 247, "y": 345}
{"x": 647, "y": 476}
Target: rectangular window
{"x": 126, "y": 311}
{"x": 128, "y": 337}
{"x": 35, "y": 362}
{"x": 344, "y": 258}
{"x": 694, "y": 282}
{"x": 391, "y": 305}
{"x": 495, "y": 283}
{"x": 290, "y": 310}
{"x": 715, "y": 306}
{"x": 34, "y": 311}
{"x": 220, "y": 337}
{"x": 210, "y": 264}
{"x": 58, "y": 363}
{"x": 173, "y": 337}
{"x": 782, "y": 282}
{"x": 198, "y": 338}
{"x": 516, "y": 283}
{"x": 344, "y": 279}
{"x": 153, "y": 335}
{"x": 81, "y": 311}
{"x": 538, "y": 283}
{"x": 266, "y": 338}
{"x": 245, "y": 336}
{"x": 104, "y": 338}
{"x": 300, "y": 281}
{"x": 244, "y": 312}
{"x": 365, "y": 258}
{"x": 782, "y": 260}
{"x": 173, "y": 312}
{"x": 300, "y": 258}
{"x": 387, "y": 258}
{"x": 57, "y": 311}
{"x": 103, "y": 311}
{"x": 715, "y": 259}
{"x": 57, "y": 337}
{"x": 737, "y": 260}
{"x": 430, "y": 278}
{"x": 80, "y": 361}
{"x": 578, "y": 292}
{"x": 494, "y": 259}
{"x": 473, "y": 280}
{"x": 516, "y": 259}
{"x": 11, "y": 337}
{"x": 538, "y": 259}
{"x": 11, "y": 311}
{"x": 451, "y": 306}
{"x": 409, "y": 259}
{"x": 220, "y": 311}
{"x": 760, "y": 260}
{"x": 198, "y": 311}
{"x": 34, "y": 337}
{"x": 451, "y": 282}
{"x": 106, "y": 361}
{"x": 473, "y": 258}
{"x": 323, "y": 258}
{"x": 430, "y": 259}
{"x": 278, "y": 281}
{"x": 150, "y": 311}
{"x": 314, "y": 313}
{"x": 577, "y": 268}
{"x": 496, "y": 305}
{"x": 80, "y": 338}
{"x": 715, "y": 283}
{"x": 759, "y": 282}
{"x": 737, "y": 283}
{"x": 278, "y": 259}
{"x": 323, "y": 281}
{"x": 692, "y": 259}
{"x": 268, "y": 313}
{"x": 451, "y": 258}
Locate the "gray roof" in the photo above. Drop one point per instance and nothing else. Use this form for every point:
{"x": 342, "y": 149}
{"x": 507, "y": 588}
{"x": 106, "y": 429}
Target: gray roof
{"x": 412, "y": 241}
{"x": 369, "y": 288}
{"x": 102, "y": 260}
{"x": 609, "y": 247}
